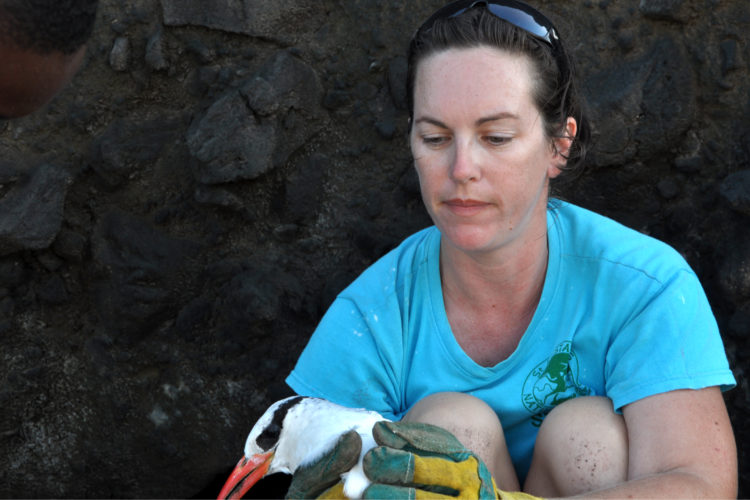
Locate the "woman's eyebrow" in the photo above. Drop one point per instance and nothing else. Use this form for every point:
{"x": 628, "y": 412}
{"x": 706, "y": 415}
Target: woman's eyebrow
{"x": 432, "y": 121}
{"x": 491, "y": 118}
{"x": 498, "y": 116}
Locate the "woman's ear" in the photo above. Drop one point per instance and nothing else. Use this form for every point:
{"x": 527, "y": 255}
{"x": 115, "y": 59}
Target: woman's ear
{"x": 561, "y": 146}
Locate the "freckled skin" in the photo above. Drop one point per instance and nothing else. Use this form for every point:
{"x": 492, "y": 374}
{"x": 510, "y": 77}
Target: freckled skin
{"x": 487, "y": 145}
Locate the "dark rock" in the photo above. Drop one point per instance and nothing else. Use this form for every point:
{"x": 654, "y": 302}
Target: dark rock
{"x": 142, "y": 264}
{"x": 97, "y": 350}
{"x": 739, "y": 323}
{"x": 230, "y": 142}
{"x": 397, "y": 69}
{"x": 124, "y": 148}
{"x": 34, "y": 373}
{"x": 335, "y": 99}
{"x": 286, "y": 232}
{"x": 736, "y": 190}
{"x": 194, "y": 315}
{"x": 251, "y": 295}
{"x": 689, "y": 164}
{"x": 261, "y": 96}
{"x": 304, "y": 188}
{"x": 670, "y": 10}
{"x": 375, "y": 67}
{"x": 9, "y": 173}
{"x": 49, "y": 261}
{"x": 118, "y": 26}
{"x": 205, "y": 55}
{"x": 248, "y": 17}
{"x": 728, "y": 56}
{"x": 7, "y": 307}
{"x": 668, "y": 188}
{"x": 12, "y": 273}
{"x": 70, "y": 245}
{"x": 31, "y": 212}
{"x": 155, "y": 58}
{"x": 365, "y": 91}
{"x": 642, "y": 106}
{"x": 627, "y": 41}
{"x": 220, "y": 197}
{"x": 299, "y": 93}
{"x": 202, "y": 79}
{"x": 119, "y": 56}
{"x": 233, "y": 142}
{"x": 53, "y": 291}
{"x": 734, "y": 276}
{"x": 386, "y": 129}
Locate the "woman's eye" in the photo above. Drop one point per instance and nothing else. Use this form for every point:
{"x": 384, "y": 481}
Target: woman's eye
{"x": 497, "y": 140}
{"x": 434, "y": 140}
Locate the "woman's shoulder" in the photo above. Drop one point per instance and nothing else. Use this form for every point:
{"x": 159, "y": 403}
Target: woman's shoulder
{"x": 584, "y": 234}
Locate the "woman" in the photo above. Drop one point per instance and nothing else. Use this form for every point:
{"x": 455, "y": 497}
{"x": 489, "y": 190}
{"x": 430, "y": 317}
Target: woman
{"x": 569, "y": 353}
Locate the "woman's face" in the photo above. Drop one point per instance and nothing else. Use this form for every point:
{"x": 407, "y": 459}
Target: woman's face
{"x": 480, "y": 150}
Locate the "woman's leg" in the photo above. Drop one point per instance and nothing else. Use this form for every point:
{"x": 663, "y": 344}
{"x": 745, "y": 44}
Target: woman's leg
{"x": 582, "y": 446}
{"x": 476, "y": 425}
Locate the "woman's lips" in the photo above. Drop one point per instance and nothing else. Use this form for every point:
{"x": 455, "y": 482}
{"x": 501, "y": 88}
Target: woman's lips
{"x": 465, "y": 208}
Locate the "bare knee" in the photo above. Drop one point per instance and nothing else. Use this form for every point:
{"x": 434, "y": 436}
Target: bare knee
{"x": 581, "y": 446}
{"x": 476, "y": 426}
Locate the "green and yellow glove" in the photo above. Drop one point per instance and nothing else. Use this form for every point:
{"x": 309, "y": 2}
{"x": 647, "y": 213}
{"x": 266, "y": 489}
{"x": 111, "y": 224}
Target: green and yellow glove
{"x": 417, "y": 461}
{"x": 322, "y": 478}
{"x": 414, "y": 461}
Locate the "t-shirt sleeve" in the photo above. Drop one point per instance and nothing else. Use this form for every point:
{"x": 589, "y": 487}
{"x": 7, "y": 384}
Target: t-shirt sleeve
{"x": 352, "y": 359}
{"x": 671, "y": 343}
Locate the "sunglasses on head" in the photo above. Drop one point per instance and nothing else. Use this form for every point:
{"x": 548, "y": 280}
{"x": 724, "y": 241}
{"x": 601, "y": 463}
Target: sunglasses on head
{"x": 517, "y": 13}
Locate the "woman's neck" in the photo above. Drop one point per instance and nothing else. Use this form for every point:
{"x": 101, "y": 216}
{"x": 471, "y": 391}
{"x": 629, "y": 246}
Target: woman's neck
{"x": 490, "y": 306}
{"x": 508, "y": 278}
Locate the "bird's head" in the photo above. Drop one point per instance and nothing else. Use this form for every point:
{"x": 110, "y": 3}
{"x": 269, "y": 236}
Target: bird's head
{"x": 292, "y": 432}
{"x": 260, "y": 449}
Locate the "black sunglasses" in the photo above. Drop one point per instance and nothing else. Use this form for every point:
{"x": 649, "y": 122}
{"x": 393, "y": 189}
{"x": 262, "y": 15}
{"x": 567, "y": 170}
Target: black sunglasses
{"x": 517, "y": 13}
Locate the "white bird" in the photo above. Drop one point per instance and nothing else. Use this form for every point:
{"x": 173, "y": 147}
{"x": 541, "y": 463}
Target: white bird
{"x": 297, "y": 431}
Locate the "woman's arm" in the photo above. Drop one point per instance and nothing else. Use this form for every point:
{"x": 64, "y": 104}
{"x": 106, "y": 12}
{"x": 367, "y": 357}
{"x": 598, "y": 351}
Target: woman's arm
{"x": 681, "y": 445}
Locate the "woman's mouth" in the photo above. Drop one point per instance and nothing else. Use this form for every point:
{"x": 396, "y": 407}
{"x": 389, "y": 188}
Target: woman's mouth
{"x": 465, "y": 207}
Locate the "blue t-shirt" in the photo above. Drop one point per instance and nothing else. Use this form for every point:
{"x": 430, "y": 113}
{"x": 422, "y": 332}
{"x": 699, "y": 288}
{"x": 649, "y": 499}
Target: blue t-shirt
{"x": 621, "y": 315}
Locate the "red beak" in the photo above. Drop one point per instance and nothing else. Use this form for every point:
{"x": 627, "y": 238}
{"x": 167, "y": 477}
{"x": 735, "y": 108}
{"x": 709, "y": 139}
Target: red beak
{"x": 247, "y": 472}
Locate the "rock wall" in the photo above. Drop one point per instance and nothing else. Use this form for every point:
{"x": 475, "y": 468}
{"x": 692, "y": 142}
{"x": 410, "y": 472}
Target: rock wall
{"x": 175, "y": 223}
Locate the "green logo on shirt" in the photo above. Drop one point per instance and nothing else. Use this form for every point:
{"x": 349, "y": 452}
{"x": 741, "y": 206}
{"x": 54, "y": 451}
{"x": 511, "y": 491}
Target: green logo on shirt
{"x": 552, "y": 382}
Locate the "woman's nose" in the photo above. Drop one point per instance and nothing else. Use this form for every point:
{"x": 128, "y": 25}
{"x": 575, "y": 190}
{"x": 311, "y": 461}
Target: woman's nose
{"x": 465, "y": 167}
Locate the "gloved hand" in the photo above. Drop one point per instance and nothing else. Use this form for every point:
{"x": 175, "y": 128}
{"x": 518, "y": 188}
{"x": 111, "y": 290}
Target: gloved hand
{"x": 413, "y": 461}
{"x": 321, "y": 479}
{"x": 417, "y": 460}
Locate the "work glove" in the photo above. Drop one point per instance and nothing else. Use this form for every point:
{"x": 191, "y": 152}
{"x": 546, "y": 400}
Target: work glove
{"x": 322, "y": 478}
{"x": 413, "y": 461}
{"x": 416, "y": 460}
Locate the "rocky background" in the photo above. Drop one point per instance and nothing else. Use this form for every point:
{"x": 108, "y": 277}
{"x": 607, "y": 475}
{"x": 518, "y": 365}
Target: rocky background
{"x": 174, "y": 224}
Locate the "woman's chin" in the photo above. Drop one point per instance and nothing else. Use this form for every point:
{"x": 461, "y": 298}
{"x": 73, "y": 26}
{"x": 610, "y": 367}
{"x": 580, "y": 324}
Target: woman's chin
{"x": 469, "y": 239}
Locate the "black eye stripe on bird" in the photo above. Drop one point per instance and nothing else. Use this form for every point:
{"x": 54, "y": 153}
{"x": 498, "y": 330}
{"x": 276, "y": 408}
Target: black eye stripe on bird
{"x": 297, "y": 431}
{"x": 270, "y": 436}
